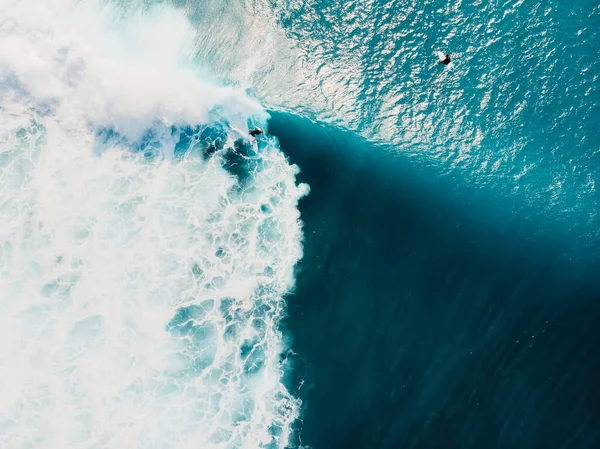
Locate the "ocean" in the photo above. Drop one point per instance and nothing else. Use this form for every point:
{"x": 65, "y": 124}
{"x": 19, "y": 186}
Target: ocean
{"x": 409, "y": 257}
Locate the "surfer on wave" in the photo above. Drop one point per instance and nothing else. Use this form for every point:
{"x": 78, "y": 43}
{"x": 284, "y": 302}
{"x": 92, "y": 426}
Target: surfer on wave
{"x": 256, "y": 132}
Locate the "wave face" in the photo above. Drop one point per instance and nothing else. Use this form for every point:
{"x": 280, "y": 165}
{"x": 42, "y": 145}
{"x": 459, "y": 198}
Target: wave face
{"x": 144, "y": 245}
{"x": 448, "y": 322}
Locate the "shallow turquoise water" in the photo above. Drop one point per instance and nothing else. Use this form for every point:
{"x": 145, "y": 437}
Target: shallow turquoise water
{"x": 517, "y": 111}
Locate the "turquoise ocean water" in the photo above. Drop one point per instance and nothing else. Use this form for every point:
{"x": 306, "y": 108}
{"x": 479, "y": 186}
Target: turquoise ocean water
{"x": 409, "y": 258}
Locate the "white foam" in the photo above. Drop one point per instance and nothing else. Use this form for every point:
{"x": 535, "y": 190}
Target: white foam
{"x": 101, "y": 255}
{"x": 65, "y": 62}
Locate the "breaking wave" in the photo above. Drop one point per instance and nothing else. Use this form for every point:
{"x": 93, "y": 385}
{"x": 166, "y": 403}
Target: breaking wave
{"x": 145, "y": 244}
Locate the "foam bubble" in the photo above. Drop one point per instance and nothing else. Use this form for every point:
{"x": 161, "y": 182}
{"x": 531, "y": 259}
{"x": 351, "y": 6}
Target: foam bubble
{"x": 141, "y": 296}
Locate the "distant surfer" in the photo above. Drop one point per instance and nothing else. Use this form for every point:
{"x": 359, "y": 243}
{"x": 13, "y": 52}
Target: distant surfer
{"x": 445, "y": 60}
{"x": 256, "y": 132}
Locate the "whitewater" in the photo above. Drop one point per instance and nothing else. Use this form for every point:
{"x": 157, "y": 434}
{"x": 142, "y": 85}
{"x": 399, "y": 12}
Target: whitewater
{"x": 145, "y": 246}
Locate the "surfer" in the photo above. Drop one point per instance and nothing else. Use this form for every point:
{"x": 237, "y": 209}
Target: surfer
{"x": 256, "y": 132}
{"x": 446, "y": 59}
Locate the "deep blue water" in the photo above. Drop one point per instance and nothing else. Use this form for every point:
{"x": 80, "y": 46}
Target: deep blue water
{"x": 427, "y": 315}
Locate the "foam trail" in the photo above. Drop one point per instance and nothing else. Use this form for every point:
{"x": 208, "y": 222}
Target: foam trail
{"x": 144, "y": 252}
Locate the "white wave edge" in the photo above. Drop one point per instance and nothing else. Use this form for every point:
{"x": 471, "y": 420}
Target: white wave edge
{"x": 99, "y": 253}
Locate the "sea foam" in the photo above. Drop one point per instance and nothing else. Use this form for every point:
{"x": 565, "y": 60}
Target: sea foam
{"x": 145, "y": 247}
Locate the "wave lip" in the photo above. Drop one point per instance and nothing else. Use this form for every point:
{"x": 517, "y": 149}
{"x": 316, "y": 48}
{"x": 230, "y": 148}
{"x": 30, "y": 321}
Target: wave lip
{"x": 145, "y": 248}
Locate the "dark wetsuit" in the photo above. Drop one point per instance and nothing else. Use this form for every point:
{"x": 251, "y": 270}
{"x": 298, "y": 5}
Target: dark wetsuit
{"x": 256, "y": 132}
{"x": 446, "y": 60}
